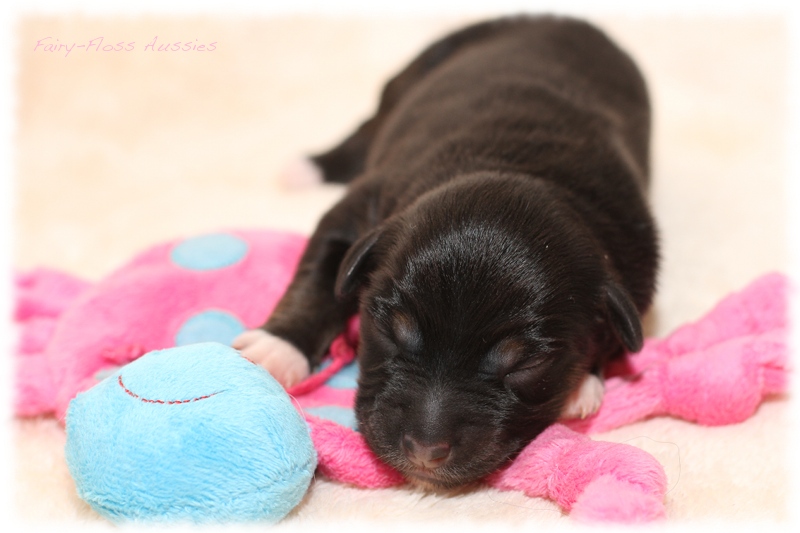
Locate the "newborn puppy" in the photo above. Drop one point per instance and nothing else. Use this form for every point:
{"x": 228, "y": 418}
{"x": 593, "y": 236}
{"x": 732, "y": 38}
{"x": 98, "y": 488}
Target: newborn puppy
{"x": 495, "y": 239}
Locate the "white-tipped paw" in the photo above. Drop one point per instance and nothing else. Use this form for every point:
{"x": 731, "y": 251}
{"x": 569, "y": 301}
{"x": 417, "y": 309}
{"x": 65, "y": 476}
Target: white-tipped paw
{"x": 586, "y": 399}
{"x": 282, "y": 360}
{"x": 301, "y": 173}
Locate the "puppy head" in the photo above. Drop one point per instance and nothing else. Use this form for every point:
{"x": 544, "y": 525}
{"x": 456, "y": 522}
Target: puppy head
{"x": 478, "y": 309}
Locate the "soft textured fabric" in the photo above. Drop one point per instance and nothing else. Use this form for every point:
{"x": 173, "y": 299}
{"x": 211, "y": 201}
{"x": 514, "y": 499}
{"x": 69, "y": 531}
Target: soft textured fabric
{"x": 195, "y": 433}
{"x": 155, "y": 301}
{"x": 715, "y": 371}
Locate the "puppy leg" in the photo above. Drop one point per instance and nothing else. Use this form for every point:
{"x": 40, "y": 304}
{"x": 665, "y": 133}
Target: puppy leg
{"x": 308, "y": 316}
{"x": 338, "y": 165}
{"x": 346, "y": 161}
{"x": 586, "y": 399}
{"x": 300, "y": 174}
{"x": 283, "y": 361}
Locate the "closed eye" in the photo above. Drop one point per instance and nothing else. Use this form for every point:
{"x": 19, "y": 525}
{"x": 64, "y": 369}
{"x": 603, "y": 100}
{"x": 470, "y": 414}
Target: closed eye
{"x": 532, "y": 365}
{"x": 530, "y": 370}
{"x": 402, "y": 331}
{"x": 510, "y": 355}
{"x": 489, "y": 376}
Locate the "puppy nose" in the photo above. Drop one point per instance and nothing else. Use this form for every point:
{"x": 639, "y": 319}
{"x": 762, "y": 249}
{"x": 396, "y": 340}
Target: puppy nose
{"x": 426, "y": 455}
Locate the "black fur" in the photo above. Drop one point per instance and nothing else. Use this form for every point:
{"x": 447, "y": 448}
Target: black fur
{"x": 495, "y": 238}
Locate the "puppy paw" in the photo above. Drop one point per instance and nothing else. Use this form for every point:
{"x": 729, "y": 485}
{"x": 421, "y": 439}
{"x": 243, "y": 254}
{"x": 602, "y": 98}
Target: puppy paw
{"x": 586, "y": 399}
{"x": 282, "y": 360}
{"x": 301, "y": 173}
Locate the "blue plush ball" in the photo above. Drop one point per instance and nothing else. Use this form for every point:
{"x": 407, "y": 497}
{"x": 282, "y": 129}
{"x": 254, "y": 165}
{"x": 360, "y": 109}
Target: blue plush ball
{"x": 195, "y": 433}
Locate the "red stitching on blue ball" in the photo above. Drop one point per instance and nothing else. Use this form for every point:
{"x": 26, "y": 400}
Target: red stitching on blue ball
{"x": 167, "y": 402}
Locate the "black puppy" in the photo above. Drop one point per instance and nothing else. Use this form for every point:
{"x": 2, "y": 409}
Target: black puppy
{"x": 495, "y": 240}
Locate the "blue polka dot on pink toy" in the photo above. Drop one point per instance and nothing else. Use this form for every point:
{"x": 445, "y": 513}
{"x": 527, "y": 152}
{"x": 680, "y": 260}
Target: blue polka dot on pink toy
{"x": 195, "y": 433}
{"x": 209, "y": 252}
{"x": 209, "y": 326}
{"x": 346, "y": 378}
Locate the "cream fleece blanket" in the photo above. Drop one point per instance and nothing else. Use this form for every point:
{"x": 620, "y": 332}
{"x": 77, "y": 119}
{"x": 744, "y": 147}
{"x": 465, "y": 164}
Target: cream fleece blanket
{"x": 118, "y": 150}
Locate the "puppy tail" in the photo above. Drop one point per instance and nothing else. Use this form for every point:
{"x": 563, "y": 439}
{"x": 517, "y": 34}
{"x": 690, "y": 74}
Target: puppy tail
{"x": 340, "y": 165}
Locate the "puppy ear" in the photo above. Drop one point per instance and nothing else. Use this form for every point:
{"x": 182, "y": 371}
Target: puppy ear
{"x": 355, "y": 264}
{"x": 624, "y": 317}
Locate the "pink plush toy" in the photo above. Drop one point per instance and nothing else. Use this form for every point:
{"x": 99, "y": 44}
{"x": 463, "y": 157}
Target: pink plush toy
{"x": 715, "y": 371}
{"x": 210, "y": 287}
